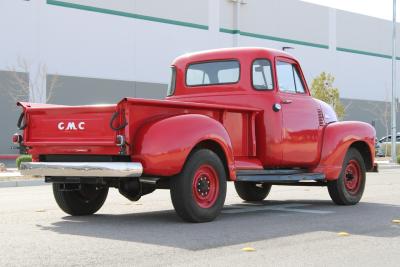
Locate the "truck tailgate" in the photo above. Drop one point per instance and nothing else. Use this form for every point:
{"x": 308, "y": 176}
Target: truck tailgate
{"x": 60, "y": 126}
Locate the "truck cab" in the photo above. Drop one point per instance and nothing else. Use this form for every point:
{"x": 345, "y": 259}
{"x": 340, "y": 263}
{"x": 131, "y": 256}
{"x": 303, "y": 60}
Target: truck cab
{"x": 266, "y": 79}
{"x": 238, "y": 114}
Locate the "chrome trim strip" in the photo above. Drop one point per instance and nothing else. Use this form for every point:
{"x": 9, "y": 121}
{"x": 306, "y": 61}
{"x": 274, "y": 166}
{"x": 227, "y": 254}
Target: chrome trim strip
{"x": 83, "y": 169}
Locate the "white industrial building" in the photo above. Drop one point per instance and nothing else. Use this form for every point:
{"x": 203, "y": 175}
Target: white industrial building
{"x": 101, "y": 51}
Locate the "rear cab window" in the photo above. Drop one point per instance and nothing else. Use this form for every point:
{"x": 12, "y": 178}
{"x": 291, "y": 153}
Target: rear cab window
{"x": 213, "y": 73}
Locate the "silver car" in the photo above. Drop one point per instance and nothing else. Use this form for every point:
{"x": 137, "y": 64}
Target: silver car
{"x": 381, "y": 144}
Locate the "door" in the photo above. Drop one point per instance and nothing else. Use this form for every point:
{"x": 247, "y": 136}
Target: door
{"x": 300, "y": 124}
{"x": 269, "y": 123}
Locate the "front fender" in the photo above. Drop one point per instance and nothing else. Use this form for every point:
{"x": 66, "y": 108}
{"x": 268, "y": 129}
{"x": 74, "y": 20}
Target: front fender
{"x": 338, "y": 137}
{"x": 164, "y": 145}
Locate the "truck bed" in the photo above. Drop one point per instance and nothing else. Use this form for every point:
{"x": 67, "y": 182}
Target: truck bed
{"x": 44, "y": 136}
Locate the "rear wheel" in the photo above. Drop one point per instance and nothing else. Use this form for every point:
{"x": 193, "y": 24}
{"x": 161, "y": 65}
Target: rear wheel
{"x": 252, "y": 191}
{"x": 85, "y": 201}
{"x": 198, "y": 192}
{"x": 349, "y": 187}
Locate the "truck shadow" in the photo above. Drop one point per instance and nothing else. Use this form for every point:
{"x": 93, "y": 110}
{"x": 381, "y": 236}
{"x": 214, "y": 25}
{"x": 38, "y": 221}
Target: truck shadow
{"x": 249, "y": 225}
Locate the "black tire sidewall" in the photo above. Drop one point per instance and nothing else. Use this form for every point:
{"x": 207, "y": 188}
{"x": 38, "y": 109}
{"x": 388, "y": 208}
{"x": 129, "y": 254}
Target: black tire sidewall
{"x": 182, "y": 188}
{"x": 339, "y": 185}
{"x": 251, "y": 192}
{"x": 72, "y": 203}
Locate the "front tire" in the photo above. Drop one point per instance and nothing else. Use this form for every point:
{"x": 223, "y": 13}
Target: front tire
{"x": 349, "y": 187}
{"x": 249, "y": 191}
{"x": 198, "y": 192}
{"x": 85, "y": 201}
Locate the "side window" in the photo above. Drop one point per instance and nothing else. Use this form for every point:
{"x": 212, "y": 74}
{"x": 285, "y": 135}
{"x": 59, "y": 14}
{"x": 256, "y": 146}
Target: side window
{"x": 172, "y": 82}
{"x": 262, "y": 74}
{"x": 284, "y": 72}
{"x": 297, "y": 80}
{"x": 289, "y": 78}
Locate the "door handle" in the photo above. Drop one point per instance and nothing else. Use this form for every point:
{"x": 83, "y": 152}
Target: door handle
{"x": 286, "y": 101}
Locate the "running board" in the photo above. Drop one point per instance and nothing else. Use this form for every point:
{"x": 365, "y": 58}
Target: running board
{"x": 271, "y": 172}
{"x": 278, "y": 176}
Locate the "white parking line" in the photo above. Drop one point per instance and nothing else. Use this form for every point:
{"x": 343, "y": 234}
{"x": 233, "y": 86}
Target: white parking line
{"x": 240, "y": 208}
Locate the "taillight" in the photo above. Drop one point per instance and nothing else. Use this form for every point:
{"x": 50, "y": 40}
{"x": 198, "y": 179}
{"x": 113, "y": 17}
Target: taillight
{"x": 17, "y": 138}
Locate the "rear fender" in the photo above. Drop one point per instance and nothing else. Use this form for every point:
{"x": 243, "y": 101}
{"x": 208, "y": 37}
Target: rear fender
{"x": 164, "y": 145}
{"x": 338, "y": 137}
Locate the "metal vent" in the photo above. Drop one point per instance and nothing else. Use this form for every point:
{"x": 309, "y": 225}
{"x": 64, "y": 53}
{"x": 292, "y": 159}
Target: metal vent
{"x": 321, "y": 117}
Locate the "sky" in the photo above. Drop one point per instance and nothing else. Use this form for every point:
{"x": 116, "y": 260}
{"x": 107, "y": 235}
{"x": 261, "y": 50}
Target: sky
{"x": 375, "y": 8}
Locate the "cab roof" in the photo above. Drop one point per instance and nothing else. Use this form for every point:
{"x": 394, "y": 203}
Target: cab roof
{"x": 229, "y": 53}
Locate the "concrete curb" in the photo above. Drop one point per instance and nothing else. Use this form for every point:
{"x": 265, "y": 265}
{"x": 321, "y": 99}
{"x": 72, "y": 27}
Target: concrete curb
{"x": 384, "y": 165}
{"x": 388, "y": 167}
{"x": 21, "y": 183}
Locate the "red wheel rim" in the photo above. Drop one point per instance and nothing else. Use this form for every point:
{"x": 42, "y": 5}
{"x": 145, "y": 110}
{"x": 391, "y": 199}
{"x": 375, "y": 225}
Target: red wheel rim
{"x": 205, "y": 186}
{"x": 352, "y": 176}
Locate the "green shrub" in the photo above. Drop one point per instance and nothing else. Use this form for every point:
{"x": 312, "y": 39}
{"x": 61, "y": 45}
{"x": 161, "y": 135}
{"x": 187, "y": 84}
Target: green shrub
{"x": 323, "y": 89}
{"x": 398, "y": 159}
{"x": 23, "y": 158}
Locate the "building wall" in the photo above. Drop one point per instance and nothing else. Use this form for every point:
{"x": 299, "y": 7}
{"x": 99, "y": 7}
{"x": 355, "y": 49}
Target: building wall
{"x": 286, "y": 20}
{"x": 71, "y": 90}
{"x": 9, "y": 112}
{"x": 376, "y": 113}
{"x": 105, "y": 50}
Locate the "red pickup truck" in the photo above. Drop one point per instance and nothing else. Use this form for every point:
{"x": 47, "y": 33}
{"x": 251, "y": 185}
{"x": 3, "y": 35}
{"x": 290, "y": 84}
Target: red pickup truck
{"x": 239, "y": 114}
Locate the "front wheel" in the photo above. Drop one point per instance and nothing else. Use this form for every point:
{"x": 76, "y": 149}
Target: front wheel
{"x": 85, "y": 201}
{"x": 349, "y": 187}
{"x": 198, "y": 192}
{"x": 252, "y": 191}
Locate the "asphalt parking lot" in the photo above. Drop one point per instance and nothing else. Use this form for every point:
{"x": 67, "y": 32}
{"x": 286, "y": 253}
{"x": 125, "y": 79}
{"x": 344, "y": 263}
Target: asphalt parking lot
{"x": 296, "y": 226}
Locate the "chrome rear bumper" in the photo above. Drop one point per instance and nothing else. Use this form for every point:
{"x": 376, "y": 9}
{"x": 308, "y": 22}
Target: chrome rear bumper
{"x": 82, "y": 169}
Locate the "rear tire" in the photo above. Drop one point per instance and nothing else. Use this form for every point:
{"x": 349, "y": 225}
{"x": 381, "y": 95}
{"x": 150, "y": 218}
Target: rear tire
{"x": 86, "y": 201}
{"x": 198, "y": 192}
{"x": 249, "y": 191}
{"x": 349, "y": 187}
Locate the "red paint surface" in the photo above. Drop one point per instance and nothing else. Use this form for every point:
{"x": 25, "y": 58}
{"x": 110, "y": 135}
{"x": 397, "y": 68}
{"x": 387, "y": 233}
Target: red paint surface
{"x": 235, "y": 117}
{"x": 337, "y": 138}
{"x": 205, "y": 187}
{"x": 353, "y": 177}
